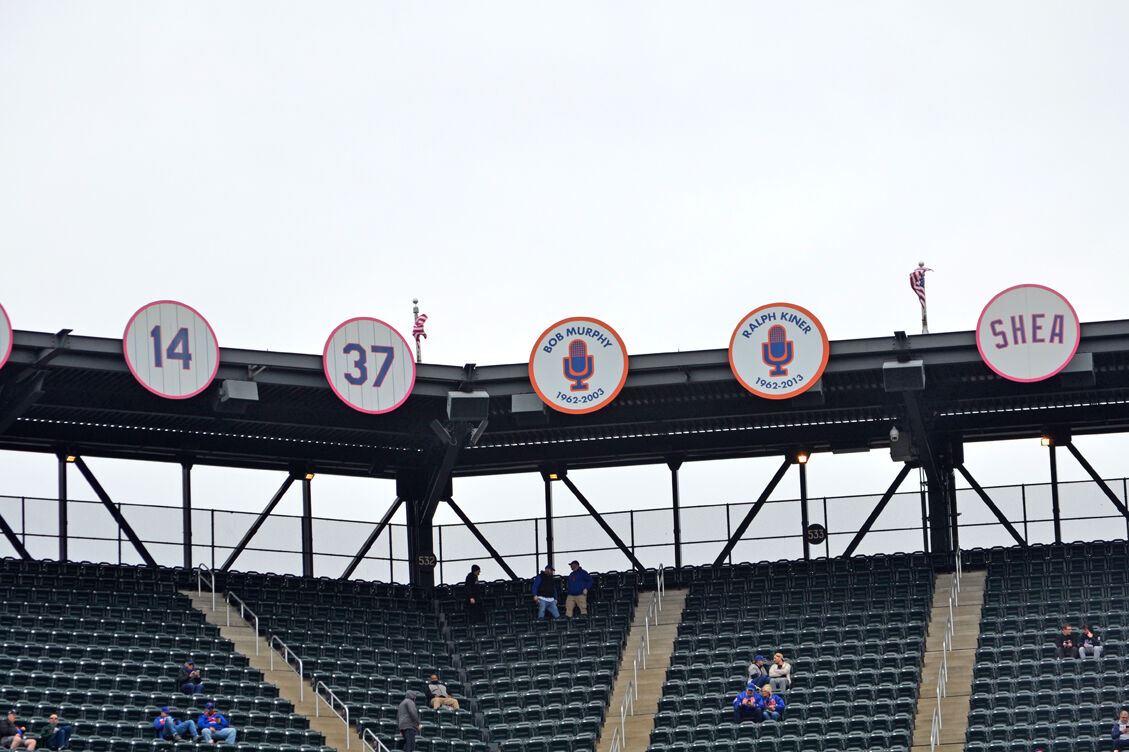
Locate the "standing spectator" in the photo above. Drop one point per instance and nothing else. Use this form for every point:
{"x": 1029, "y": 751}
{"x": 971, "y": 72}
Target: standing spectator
{"x": 545, "y": 593}
{"x": 758, "y": 674}
{"x": 579, "y": 583}
{"x": 437, "y": 694}
{"x": 173, "y": 730}
{"x": 188, "y": 678}
{"x": 214, "y": 727}
{"x": 473, "y": 596}
{"x": 770, "y": 706}
{"x": 55, "y": 734}
{"x": 13, "y": 733}
{"x": 1120, "y": 733}
{"x": 1091, "y": 641}
{"x": 779, "y": 673}
{"x": 744, "y": 705}
{"x": 407, "y": 720}
{"x": 1065, "y": 644}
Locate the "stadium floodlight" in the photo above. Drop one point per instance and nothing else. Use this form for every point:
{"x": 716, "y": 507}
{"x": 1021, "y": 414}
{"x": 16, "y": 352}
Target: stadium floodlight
{"x": 802, "y": 458}
{"x": 71, "y": 458}
{"x": 309, "y": 476}
{"x": 1046, "y": 440}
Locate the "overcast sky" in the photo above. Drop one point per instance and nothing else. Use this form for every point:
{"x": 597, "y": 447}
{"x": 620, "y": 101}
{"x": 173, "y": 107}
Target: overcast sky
{"x": 665, "y": 167}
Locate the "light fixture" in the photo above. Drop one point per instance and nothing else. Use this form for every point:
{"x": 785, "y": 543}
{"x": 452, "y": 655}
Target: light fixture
{"x": 309, "y": 476}
{"x": 802, "y": 458}
{"x": 71, "y": 458}
{"x": 1046, "y": 440}
{"x": 554, "y": 476}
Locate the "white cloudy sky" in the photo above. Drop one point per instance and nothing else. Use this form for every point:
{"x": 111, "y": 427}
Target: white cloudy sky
{"x": 665, "y": 167}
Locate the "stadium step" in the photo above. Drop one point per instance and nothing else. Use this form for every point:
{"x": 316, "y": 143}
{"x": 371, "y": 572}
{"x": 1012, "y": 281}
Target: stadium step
{"x": 637, "y": 726}
{"x": 287, "y": 681}
{"x": 966, "y": 630}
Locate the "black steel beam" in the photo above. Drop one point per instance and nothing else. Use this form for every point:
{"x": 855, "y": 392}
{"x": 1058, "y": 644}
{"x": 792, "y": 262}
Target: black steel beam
{"x": 442, "y": 477}
{"x": 752, "y": 513}
{"x": 112, "y": 508}
{"x": 603, "y": 523}
{"x": 482, "y": 539}
{"x": 14, "y": 539}
{"x": 548, "y": 523}
{"x": 186, "y": 511}
{"x": 1097, "y": 479}
{"x": 63, "y": 524}
{"x": 18, "y": 396}
{"x": 991, "y": 505}
{"x": 258, "y": 523}
{"x": 804, "y": 509}
{"x": 862, "y": 531}
{"x": 376, "y": 531}
{"x": 1056, "y": 510}
{"x": 307, "y": 528}
{"x": 676, "y": 509}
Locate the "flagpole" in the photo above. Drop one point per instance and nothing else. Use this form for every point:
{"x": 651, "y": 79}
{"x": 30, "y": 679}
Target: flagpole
{"x": 415, "y": 317}
{"x": 924, "y": 308}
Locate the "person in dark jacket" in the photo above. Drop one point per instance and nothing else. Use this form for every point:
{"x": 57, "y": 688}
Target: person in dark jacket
{"x": 744, "y": 705}
{"x": 188, "y": 678}
{"x": 473, "y": 596}
{"x": 769, "y": 706}
{"x": 579, "y": 583}
{"x": 171, "y": 729}
{"x": 13, "y": 734}
{"x": 758, "y": 672}
{"x": 1066, "y": 643}
{"x": 407, "y": 720}
{"x": 1120, "y": 733}
{"x": 55, "y": 733}
{"x": 545, "y": 593}
{"x": 1090, "y": 640}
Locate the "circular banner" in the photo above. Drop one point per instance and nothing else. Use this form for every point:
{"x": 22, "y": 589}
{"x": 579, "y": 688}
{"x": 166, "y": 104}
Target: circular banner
{"x": 578, "y": 365}
{"x": 816, "y": 533}
{"x": 778, "y": 351}
{"x": 5, "y": 336}
{"x": 171, "y": 349}
{"x": 1028, "y": 333}
{"x": 369, "y": 365}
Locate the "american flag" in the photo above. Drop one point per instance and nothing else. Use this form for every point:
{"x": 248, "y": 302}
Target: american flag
{"x": 417, "y": 330}
{"x": 917, "y": 282}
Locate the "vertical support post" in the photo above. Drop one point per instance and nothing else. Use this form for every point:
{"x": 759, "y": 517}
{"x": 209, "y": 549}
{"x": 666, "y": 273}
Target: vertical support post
{"x": 186, "y": 503}
{"x": 548, "y": 522}
{"x": 440, "y": 557}
{"x": 307, "y": 528}
{"x": 1023, "y": 498}
{"x": 676, "y": 509}
{"x": 804, "y": 509}
{"x": 827, "y": 528}
{"x": 63, "y": 554}
{"x": 924, "y": 489}
{"x": 414, "y": 487}
{"x": 1056, "y": 512}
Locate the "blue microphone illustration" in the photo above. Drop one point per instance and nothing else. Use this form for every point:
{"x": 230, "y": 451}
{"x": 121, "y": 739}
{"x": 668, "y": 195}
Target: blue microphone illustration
{"x": 777, "y": 351}
{"x": 578, "y": 366}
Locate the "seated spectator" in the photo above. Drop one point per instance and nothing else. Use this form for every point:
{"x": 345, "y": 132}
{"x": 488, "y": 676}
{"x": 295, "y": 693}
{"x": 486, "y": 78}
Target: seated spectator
{"x": 779, "y": 673}
{"x": 744, "y": 705}
{"x": 214, "y": 727}
{"x": 758, "y": 674}
{"x": 769, "y": 706}
{"x": 545, "y": 593}
{"x": 13, "y": 733}
{"x": 188, "y": 678}
{"x": 1065, "y": 644}
{"x": 1120, "y": 731}
{"x": 1091, "y": 641}
{"x": 437, "y": 694}
{"x": 171, "y": 729}
{"x": 55, "y": 734}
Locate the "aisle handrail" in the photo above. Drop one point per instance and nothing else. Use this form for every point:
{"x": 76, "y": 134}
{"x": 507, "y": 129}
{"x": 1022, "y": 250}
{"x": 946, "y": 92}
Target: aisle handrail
{"x": 366, "y": 735}
{"x": 200, "y": 569}
{"x": 936, "y": 723}
{"x": 244, "y": 612}
{"x": 329, "y": 701}
{"x": 287, "y": 654}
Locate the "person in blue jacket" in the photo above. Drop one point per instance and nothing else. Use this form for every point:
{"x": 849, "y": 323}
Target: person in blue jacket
{"x": 170, "y": 728}
{"x": 214, "y": 726}
{"x": 769, "y": 705}
{"x": 579, "y": 583}
{"x": 545, "y": 593}
{"x": 745, "y": 704}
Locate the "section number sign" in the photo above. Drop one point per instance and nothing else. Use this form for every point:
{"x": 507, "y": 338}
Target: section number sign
{"x": 171, "y": 349}
{"x": 578, "y": 365}
{"x": 369, "y": 365}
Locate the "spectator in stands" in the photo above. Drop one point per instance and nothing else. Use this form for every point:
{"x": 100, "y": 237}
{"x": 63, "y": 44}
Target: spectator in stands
{"x": 1065, "y": 643}
{"x": 1120, "y": 733}
{"x": 437, "y": 695}
{"x": 779, "y": 673}
{"x": 744, "y": 705}
{"x": 579, "y": 583}
{"x": 407, "y": 720}
{"x": 473, "y": 596}
{"x": 55, "y": 733}
{"x": 170, "y": 728}
{"x": 545, "y": 593}
{"x": 12, "y": 733}
{"x": 758, "y": 674}
{"x": 188, "y": 678}
{"x": 214, "y": 727}
{"x": 1091, "y": 641}
{"x": 770, "y": 706}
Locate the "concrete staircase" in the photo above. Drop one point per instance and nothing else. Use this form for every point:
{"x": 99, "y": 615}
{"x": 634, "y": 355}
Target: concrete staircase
{"x": 638, "y": 725}
{"x": 282, "y": 676}
{"x": 966, "y": 629}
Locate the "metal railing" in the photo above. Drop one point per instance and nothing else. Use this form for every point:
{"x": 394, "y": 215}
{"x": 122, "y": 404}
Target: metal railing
{"x": 287, "y": 654}
{"x": 936, "y": 724}
{"x": 200, "y": 569}
{"x": 631, "y": 692}
{"x": 333, "y": 702}
{"x": 244, "y": 613}
{"x": 368, "y": 734}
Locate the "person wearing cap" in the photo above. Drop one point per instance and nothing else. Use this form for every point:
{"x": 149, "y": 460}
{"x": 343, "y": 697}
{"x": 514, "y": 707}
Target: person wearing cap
{"x": 473, "y": 596}
{"x": 437, "y": 695}
{"x": 744, "y": 705}
{"x": 55, "y": 733}
{"x": 579, "y": 583}
{"x": 758, "y": 674}
{"x": 171, "y": 729}
{"x": 779, "y": 673}
{"x": 545, "y": 593}
{"x": 188, "y": 678}
{"x": 769, "y": 706}
{"x": 214, "y": 727}
{"x": 13, "y": 733}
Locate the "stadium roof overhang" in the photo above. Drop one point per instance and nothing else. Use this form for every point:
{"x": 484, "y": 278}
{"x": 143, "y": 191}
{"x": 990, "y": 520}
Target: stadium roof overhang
{"x": 70, "y": 394}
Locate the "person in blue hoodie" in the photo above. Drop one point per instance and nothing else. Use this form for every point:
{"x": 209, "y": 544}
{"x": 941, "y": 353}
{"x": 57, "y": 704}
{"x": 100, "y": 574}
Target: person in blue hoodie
{"x": 745, "y": 704}
{"x": 545, "y": 593}
{"x": 579, "y": 583}
{"x": 214, "y": 726}
{"x": 769, "y": 705}
{"x": 173, "y": 730}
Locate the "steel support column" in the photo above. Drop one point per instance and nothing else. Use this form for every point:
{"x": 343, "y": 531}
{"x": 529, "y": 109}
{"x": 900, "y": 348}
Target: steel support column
{"x": 1097, "y": 479}
{"x": 112, "y": 508}
{"x": 676, "y": 508}
{"x": 482, "y": 539}
{"x": 804, "y": 509}
{"x": 63, "y": 524}
{"x": 752, "y": 513}
{"x": 14, "y": 539}
{"x": 307, "y": 528}
{"x": 368, "y": 544}
{"x": 258, "y": 523}
{"x": 415, "y": 487}
{"x": 1056, "y": 512}
{"x": 862, "y": 531}
{"x": 603, "y": 524}
{"x": 548, "y": 523}
{"x": 186, "y": 503}
{"x": 991, "y": 505}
